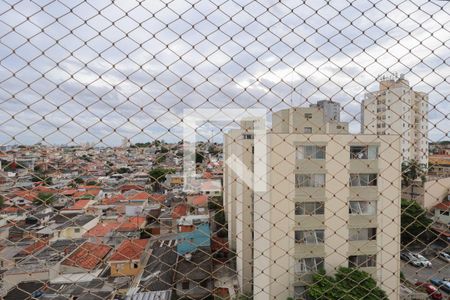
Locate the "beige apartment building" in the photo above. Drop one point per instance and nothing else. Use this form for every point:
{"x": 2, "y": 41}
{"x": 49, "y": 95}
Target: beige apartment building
{"x": 397, "y": 109}
{"x": 332, "y": 199}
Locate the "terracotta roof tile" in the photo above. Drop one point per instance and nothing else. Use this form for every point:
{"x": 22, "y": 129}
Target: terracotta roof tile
{"x": 102, "y": 229}
{"x": 179, "y": 211}
{"x": 87, "y": 256}
{"x": 129, "y": 250}
{"x": 443, "y": 205}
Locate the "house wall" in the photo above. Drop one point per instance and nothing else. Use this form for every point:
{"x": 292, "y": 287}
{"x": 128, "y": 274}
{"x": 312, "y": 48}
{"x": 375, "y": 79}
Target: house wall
{"x": 436, "y": 191}
{"x": 125, "y": 268}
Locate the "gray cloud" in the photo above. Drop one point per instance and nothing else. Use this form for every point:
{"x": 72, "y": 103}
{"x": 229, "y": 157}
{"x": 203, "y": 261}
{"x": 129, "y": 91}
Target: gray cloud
{"x": 128, "y": 68}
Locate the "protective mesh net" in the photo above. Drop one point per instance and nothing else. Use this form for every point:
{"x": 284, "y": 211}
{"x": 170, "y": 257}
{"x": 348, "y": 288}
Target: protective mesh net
{"x": 224, "y": 149}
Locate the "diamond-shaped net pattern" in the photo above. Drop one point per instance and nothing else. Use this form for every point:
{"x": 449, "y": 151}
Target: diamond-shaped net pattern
{"x": 224, "y": 149}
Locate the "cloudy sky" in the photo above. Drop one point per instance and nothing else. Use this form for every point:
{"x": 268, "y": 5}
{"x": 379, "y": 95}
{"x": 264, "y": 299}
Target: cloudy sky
{"x": 96, "y": 71}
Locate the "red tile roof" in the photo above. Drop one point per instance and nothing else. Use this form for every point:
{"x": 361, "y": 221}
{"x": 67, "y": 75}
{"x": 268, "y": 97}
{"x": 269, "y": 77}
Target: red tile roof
{"x": 87, "y": 256}
{"x": 68, "y": 192}
{"x": 129, "y": 250}
{"x": 179, "y": 211}
{"x": 15, "y": 209}
{"x": 33, "y": 248}
{"x": 129, "y": 187}
{"x": 445, "y": 205}
{"x": 93, "y": 193}
{"x": 79, "y": 205}
{"x": 158, "y": 197}
{"x": 102, "y": 229}
{"x": 140, "y": 196}
{"x": 200, "y": 200}
{"x": 114, "y": 199}
{"x": 133, "y": 223}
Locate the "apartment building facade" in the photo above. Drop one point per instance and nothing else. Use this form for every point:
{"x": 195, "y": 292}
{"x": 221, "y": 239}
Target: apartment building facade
{"x": 332, "y": 199}
{"x": 395, "y": 108}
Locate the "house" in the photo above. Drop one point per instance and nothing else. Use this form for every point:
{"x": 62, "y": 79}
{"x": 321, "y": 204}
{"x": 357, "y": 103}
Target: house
{"x": 75, "y": 228}
{"x": 130, "y": 229}
{"x": 102, "y": 232}
{"x": 193, "y": 233}
{"x": 198, "y": 204}
{"x": 42, "y": 265}
{"x": 88, "y": 257}
{"x": 79, "y": 207}
{"x": 128, "y": 259}
{"x": 194, "y": 275}
{"x": 159, "y": 271}
{"x": 442, "y": 212}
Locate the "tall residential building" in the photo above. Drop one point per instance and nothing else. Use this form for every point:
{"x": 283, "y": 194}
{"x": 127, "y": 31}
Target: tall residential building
{"x": 397, "y": 109}
{"x": 331, "y": 110}
{"x": 332, "y": 199}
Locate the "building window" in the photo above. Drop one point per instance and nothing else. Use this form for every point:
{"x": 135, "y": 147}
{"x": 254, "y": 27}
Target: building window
{"x": 307, "y": 130}
{"x": 309, "y": 180}
{"x": 309, "y": 236}
{"x": 362, "y": 208}
{"x": 363, "y": 179}
{"x": 76, "y": 230}
{"x": 135, "y": 265}
{"x": 362, "y": 261}
{"x": 362, "y": 234}
{"x": 306, "y": 265}
{"x": 247, "y": 136}
{"x": 309, "y": 208}
{"x": 308, "y": 115}
{"x": 311, "y": 152}
{"x": 364, "y": 152}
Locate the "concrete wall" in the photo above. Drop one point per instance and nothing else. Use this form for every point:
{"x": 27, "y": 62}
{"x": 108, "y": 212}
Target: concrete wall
{"x": 435, "y": 191}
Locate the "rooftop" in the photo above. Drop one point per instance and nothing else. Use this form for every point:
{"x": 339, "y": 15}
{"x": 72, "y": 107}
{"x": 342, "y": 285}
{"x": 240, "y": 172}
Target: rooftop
{"x": 129, "y": 250}
{"x": 88, "y": 256}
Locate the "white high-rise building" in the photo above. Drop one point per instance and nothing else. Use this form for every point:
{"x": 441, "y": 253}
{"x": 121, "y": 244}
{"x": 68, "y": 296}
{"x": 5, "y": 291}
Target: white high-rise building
{"x": 332, "y": 199}
{"x": 397, "y": 109}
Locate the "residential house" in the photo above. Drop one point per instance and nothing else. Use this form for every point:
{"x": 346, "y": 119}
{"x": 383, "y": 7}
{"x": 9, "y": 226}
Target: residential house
{"x": 128, "y": 258}
{"x": 194, "y": 275}
{"x": 87, "y": 258}
{"x": 75, "y": 227}
{"x": 193, "y": 233}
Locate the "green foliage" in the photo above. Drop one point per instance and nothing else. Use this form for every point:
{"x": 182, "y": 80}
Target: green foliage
{"x": 78, "y": 180}
{"x": 347, "y": 284}
{"x": 45, "y": 198}
{"x": 157, "y": 176}
{"x": 199, "y": 157}
{"x": 164, "y": 150}
{"x": 412, "y": 170}
{"x": 42, "y": 177}
{"x": 92, "y": 182}
{"x": 414, "y": 222}
{"x": 2, "y": 201}
{"x": 123, "y": 170}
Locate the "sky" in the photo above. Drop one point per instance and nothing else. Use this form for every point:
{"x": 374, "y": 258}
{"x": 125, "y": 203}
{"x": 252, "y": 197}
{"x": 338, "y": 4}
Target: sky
{"x": 100, "y": 71}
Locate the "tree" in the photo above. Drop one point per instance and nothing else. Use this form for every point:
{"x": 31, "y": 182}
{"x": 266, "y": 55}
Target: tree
{"x": 414, "y": 222}
{"x": 157, "y": 176}
{"x": 2, "y": 201}
{"x": 199, "y": 156}
{"x": 45, "y": 198}
{"x": 79, "y": 180}
{"x": 42, "y": 177}
{"x": 348, "y": 283}
{"x": 411, "y": 170}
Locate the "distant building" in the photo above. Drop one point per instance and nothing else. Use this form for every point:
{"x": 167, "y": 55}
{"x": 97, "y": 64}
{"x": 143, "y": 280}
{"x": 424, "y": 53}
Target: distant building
{"x": 331, "y": 200}
{"x": 331, "y": 110}
{"x": 128, "y": 258}
{"x": 397, "y": 109}
{"x": 193, "y": 233}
